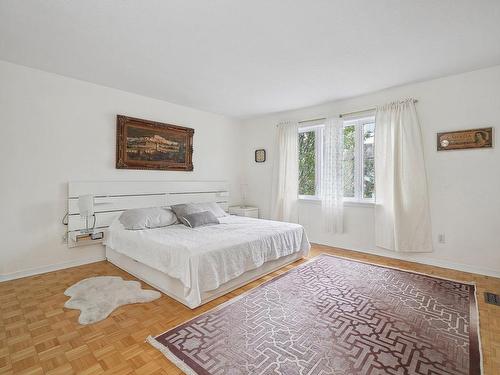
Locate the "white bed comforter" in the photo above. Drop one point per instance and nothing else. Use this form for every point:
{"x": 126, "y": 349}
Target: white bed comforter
{"x": 206, "y": 257}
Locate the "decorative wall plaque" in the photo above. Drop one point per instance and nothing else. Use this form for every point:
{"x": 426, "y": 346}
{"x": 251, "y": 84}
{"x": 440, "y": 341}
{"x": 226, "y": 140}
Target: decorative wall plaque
{"x": 464, "y": 139}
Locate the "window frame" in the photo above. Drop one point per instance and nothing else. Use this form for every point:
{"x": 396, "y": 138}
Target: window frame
{"x": 318, "y": 153}
{"x": 359, "y": 123}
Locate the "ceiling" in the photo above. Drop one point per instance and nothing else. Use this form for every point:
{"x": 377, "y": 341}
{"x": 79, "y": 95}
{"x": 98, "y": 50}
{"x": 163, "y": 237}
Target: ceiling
{"x": 247, "y": 58}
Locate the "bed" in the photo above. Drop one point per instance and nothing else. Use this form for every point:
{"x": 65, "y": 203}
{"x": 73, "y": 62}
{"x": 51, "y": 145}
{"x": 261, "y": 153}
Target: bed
{"x": 193, "y": 266}
{"x": 196, "y": 265}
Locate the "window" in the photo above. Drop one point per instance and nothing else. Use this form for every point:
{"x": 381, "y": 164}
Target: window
{"x": 359, "y": 162}
{"x": 310, "y": 151}
{"x": 369, "y": 160}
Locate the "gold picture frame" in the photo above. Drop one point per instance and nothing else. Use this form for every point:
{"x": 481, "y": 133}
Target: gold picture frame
{"x": 144, "y": 144}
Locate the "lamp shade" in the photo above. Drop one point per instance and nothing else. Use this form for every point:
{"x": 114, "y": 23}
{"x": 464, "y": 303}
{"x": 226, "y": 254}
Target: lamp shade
{"x": 86, "y": 205}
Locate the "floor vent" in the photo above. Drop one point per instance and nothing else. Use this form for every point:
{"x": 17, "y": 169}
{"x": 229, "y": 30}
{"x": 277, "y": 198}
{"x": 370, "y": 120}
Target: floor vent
{"x": 492, "y": 298}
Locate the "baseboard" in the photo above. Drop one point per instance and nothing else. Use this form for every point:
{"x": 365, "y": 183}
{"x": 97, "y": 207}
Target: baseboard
{"x": 421, "y": 258}
{"x": 51, "y": 267}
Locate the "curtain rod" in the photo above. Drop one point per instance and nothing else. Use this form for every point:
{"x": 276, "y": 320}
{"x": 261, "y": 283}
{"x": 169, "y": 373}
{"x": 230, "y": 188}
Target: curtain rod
{"x": 364, "y": 110}
{"x": 356, "y": 112}
{"x": 313, "y": 119}
{"x": 344, "y": 114}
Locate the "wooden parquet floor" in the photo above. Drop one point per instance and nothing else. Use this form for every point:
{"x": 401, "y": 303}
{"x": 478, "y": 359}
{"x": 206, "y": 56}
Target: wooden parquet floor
{"x": 39, "y": 336}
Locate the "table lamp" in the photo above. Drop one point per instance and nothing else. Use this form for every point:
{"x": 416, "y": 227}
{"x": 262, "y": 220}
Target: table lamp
{"x": 86, "y": 207}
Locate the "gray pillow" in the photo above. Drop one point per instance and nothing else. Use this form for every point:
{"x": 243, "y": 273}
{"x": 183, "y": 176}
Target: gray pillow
{"x": 199, "y": 219}
{"x": 182, "y": 210}
{"x": 147, "y": 218}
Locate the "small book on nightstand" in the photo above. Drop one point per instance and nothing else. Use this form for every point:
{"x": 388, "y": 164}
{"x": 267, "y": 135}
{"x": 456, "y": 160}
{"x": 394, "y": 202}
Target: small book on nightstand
{"x": 247, "y": 211}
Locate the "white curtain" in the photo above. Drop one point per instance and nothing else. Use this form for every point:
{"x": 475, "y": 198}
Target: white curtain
{"x": 331, "y": 186}
{"x": 402, "y": 216}
{"x": 285, "y": 188}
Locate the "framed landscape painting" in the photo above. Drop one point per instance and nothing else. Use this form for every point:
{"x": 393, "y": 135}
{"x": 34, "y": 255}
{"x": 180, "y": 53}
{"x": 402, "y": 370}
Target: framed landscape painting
{"x": 144, "y": 144}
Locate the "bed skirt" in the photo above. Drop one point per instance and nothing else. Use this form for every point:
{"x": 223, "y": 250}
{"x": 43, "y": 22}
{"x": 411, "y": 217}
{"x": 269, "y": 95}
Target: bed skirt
{"x": 176, "y": 290}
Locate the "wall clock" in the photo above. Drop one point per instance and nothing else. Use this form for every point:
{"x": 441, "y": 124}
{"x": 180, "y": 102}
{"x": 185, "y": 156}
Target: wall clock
{"x": 260, "y": 155}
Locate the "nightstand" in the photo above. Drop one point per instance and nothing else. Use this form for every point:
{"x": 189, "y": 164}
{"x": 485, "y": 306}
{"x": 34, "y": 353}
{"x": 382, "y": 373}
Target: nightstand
{"x": 244, "y": 211}
{"x": 82, "y": 239}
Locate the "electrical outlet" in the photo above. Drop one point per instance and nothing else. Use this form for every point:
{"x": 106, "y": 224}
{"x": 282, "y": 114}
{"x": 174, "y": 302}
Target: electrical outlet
{"x": 441, "y": 238}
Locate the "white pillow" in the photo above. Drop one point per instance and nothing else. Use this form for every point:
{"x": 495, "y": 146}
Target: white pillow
{"x": 147, "y": 218}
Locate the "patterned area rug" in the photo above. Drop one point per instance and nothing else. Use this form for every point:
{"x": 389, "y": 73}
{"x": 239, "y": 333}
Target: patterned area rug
{"x": 334, "y": 316}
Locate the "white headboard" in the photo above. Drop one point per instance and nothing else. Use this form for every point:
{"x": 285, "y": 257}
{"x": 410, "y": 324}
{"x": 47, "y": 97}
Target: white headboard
{"x": 113, "y": 197}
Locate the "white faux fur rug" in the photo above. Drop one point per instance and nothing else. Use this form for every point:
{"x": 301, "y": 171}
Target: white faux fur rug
{"x": 97, "y": 297}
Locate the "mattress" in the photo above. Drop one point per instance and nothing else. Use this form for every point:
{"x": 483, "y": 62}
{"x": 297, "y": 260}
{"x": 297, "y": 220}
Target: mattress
{"x": 204, "y": 258}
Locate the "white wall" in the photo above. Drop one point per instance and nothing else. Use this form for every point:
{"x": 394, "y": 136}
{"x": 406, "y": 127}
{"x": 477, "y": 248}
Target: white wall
{"x": 54, "y": 130}
{"x": 464, "y": 185}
